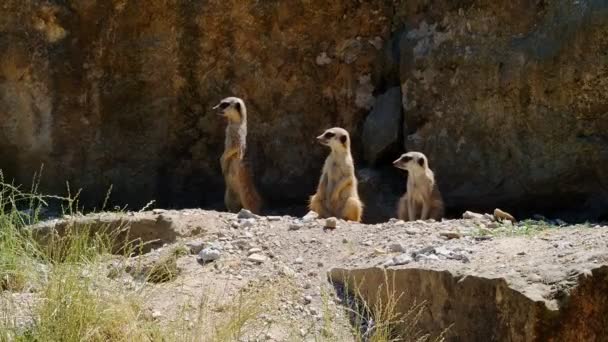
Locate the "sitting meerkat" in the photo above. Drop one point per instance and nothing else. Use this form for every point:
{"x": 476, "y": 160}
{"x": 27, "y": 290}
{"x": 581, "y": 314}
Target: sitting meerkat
{"x": 240, "y": 189}
{"x": 337, "y": 194}
{"x": 422, "y": 200}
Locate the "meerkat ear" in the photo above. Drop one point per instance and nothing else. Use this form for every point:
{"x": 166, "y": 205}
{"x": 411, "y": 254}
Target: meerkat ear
{"x": 421, "y": 162}
{"x": 237, "y": 106}
{"x": 343, "y": 139}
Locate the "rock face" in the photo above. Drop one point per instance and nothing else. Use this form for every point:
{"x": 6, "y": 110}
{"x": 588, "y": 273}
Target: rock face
{"x": 506, "y": 99}
{"x": 501, "y": 313}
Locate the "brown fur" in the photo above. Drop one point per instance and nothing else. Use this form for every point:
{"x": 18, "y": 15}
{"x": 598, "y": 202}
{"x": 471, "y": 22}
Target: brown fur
{"x": 337, "y": 194}
{"x": 240, "y": 188}
{"x": 422, "y": 199}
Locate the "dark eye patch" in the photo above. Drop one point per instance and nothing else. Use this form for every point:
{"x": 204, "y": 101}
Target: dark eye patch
{"x": 343, "y": 139}
{"x": 238, "y": 107}
{"x": 224, "y": 105}
{"x": 421, "y": 162}
{"x": 406, "y": 159}
{"x": 329, "y": 135}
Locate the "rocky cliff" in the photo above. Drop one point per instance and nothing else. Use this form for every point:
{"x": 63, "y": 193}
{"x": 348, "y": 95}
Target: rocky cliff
{"x": 507, "y": 99}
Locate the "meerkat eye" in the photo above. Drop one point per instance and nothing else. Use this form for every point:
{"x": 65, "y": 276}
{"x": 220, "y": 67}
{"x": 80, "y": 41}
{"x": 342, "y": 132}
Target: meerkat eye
{"x": 343, "y": 139}
{"x": 329, "y": 135}
{"x": 224, "y": 105}
{"x": 238, "y": 107}
{"x": 421, "y": 162}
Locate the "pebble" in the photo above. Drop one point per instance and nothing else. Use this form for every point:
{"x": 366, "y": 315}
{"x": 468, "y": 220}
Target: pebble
{"x": 450, "y": 234}
{"x": 295, "y": 226}
{"x": 156, "y": 314}
{"x": 273, "y": 218}
{"x": 246, "y": 214}
{"x": 209, "y": 254}
{"x": 331, "y": 223}
{"x": 307, "y": 300}
{"x": 247, "y": 223}
{"x": 367, "y": 243}
{"x": 412, "y": 231}
{"x": 254, "y": 250}
{"x": 257, "y": 258}
{"x": 396, "y": 248}
{"x": 402, "y": 259}
{"x": 299, "y": 261}
{"x": 286, "y": 271}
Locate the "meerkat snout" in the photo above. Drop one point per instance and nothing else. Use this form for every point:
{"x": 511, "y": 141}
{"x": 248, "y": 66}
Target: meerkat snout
{"x": 231, "y": 108}
{"x": 336, "y": 138}
{"x": 409, "y": 161}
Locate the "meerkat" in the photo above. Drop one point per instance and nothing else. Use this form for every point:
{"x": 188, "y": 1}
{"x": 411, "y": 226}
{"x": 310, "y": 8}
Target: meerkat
{"x": 422, "y": 200}
{"x": 240, "y": 189}
{"x": 337, "y": 194}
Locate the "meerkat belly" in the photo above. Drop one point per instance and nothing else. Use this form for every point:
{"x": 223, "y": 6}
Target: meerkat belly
{"x": 332, "y": 187}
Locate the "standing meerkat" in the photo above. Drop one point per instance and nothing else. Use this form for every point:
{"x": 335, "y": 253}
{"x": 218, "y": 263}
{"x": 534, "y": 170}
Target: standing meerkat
{"x": 337, "y": 194}
{"x": 240, "y": 189}
{"x": 422, "y": 200}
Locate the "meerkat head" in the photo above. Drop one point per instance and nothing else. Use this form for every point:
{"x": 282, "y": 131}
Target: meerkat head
{"x": 232, "y": 108}
{"x": 336, "y": 138}
{"x": 412, "y": 161}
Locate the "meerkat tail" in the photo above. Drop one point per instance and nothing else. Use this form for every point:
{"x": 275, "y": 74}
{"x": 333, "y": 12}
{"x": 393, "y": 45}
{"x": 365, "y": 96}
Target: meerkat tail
{"x": 353, "y": 209}
{"x": 231, "y": 200}
{"x": 402, "y": 212}
{"x": 250, "y": 198}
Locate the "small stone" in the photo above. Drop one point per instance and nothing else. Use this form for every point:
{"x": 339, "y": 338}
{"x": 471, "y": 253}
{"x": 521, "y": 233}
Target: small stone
{"x": 310, "y": 216}
{"x": 402, "y": 259}
{"x": 254, "y": 250}
{"x": 286, "y": 271}
{"x": 156, "y": 314}
{"x": 246, "y": 214}
{"x": 257, "y": 258}
{"x": 295, "y": 226}
{"x": 412, "y": 231}
{"x": 396, "y": 248}
{"x": 450, "y": 234}
{"x": 273, "y": 218}
{"x": 247, "y": 223}
{"x": 307, "y": 300}
{"x": 299, "y": 261}
{"x": 209, "y": 254}
{"x": 331, "y": 223}
{"x": 320, "y": 264}
{"x": 503, "y": 215}
{"x": 345, "y": 240}
{"x": 469, "y": 215}
{"x": 367, "y": 243}
{"x": 158, "y": 211}
{"x": 561, "y": 222}
{"x": 314, "y": 311}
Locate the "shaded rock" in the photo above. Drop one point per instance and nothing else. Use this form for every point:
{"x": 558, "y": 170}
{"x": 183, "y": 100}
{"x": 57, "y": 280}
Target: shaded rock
{"x": 382, "y": 127}
{"x": 450, "y": 234}
{"x": 514, "y": 317}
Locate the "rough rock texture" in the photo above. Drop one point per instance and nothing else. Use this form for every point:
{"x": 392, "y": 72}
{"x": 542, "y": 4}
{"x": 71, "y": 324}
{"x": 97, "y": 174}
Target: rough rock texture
{"x": 382, "y": 129}
{"x": 506, "y": 98}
